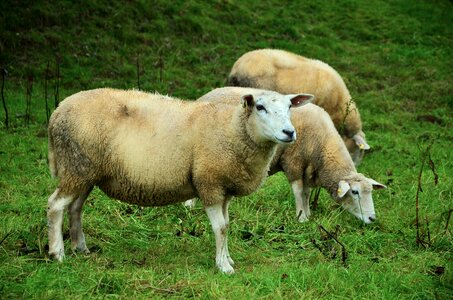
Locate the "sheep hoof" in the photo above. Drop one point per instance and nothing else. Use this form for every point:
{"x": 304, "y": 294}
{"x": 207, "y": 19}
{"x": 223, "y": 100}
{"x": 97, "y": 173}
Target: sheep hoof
{"x": 189, "y": 204}
{"x": 231, "y": 261}
{"x": 80, "y": 250}
{"x": 58, "y": 256}
{"x": 303, "y": 219}
{"x": 228, "y": 269}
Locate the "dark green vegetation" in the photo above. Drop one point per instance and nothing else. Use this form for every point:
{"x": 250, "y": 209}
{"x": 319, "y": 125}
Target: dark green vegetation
{"x": 396, "y": 58}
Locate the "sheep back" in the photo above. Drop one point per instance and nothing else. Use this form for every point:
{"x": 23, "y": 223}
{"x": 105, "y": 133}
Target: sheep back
{"x": 318, "y": 148}
{"x": 289, "y": 73}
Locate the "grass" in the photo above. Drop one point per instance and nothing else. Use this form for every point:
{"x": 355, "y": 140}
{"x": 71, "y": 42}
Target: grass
{"x": 395, "y": 57}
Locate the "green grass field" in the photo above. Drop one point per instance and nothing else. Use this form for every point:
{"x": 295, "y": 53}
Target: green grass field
{"x": 396, "y": 58}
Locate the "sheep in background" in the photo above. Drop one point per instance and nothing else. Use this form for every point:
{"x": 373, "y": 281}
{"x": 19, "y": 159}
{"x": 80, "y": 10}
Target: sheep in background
{"x": 153, "y": 150}
{"x": 286, "y": 72}
{"x": 318, "y": 158}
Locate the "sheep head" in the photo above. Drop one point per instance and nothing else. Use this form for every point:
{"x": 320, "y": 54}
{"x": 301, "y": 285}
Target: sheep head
{"x": 355, "y": 195}
{"x": 269, "y": 115}
{"x": 357, "y": 146}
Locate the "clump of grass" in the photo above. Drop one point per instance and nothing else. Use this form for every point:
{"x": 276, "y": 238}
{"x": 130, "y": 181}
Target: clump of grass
{"x": 426, "y": 156}
{"x": 327, "y": 246}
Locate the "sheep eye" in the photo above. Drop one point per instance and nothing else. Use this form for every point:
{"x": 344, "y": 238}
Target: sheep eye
{"x": 261, "y": 107}
{"x": 354, "y": 192}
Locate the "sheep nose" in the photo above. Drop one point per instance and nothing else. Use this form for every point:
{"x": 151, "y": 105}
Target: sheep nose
{"x": 289, "y": 133}
{"x": 372, "y": 218}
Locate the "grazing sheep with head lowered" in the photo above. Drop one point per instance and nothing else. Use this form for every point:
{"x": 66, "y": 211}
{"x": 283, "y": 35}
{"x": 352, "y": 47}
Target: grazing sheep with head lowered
{"x": 153, "y": 150}
{"x": 286, "y": 72}
{"x": 318, "y": 158}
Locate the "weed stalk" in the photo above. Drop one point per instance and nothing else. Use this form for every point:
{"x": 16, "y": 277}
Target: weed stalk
{"x": 160, "y": 64}
{"x": 448, "y": 220}
{"x": 425, "y": 156}
{"x": 4, "y": 73}
{"x": 57, "y": 82}
{"x": 315, "y": 193}
{"x": 138, "y": 71}
{"x": 5, "y": 237}
{"x": 28, "y": 100}
{"x": 46, "y": 78}
{"x": 347, "y": 112}
{"x": 333, "y": 236}
{"x": 344, "y": 254}
{"x": 427, "y": 230}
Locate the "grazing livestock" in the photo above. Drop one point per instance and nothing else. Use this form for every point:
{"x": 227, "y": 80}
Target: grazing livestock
{"x": 152, "y": 150}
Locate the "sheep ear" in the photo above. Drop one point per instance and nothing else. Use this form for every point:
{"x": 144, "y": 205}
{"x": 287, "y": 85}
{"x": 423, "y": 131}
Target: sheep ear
{"x": 376, "y": 185}
{"x": 301, "y": 99}
{"x": 343, "y": 188}
{"x": 248, "y": 101}
{"x": 360, "y": 142}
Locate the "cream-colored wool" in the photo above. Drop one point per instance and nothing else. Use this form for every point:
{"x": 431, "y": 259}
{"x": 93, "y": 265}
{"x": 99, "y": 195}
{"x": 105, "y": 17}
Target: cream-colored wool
{"x": 154, "y": 150}
{"x": 318, "y": 158}
{"x": 288, "y": 73}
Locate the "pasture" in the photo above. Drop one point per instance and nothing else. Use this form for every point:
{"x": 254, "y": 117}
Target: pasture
{"x": 396, "y": 58}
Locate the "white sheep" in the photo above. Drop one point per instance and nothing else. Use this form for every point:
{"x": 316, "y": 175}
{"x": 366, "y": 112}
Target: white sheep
{"x": 154, "y": 150}
{"x": 318, "y": 158}
{"x": 286, "y": 72}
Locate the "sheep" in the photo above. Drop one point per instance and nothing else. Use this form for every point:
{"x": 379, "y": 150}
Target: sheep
{"x": 318, "y": 158}
{"x": 153, "y": 150}
{"x": 287, "y": 72}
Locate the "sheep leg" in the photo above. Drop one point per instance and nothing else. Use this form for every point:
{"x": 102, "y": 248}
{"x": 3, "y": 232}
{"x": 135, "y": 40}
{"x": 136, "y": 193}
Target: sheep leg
{"x": 75, "y": 223}
{"x": 306, "y": 200}
{"x": 190, "y": 203}
{"x": 55, "y": 209}
{"x": 226, "y": 216}
{"x": 219, "y": 226}
{"x": 302, "y": 196}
